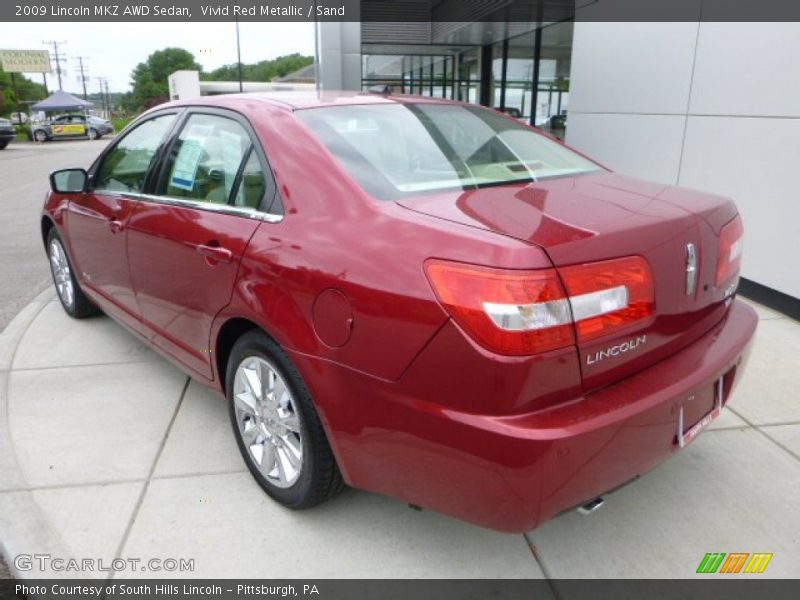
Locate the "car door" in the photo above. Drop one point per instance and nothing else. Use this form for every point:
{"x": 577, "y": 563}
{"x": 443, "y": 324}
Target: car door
{"x": 97, "y": 220}
{"x": 187, "y": 238}
{"x": 68, "y": 126}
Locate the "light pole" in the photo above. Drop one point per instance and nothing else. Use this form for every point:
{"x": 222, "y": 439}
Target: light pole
{"x": 239, "y": 56}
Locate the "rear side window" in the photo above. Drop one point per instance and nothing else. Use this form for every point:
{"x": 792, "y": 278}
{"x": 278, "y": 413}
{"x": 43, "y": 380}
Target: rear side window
{"x": 214, "y": 160}
{"x": 205, "y": 161}
{"x": 253, "y": 184}
{"x": 125, "y": 167}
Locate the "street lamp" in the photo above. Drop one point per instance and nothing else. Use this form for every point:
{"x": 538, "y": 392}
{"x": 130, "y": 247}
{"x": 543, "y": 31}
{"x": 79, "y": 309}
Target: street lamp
{"x": 239, "y": 55}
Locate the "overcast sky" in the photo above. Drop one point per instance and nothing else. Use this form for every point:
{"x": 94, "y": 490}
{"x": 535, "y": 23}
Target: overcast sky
{"x": 114, "y": 49}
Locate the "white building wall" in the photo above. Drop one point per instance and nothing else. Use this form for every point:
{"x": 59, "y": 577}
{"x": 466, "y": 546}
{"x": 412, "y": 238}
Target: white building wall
{"x": 339, "y": 55}
{"x": 710, "y": 106}
{"x": 184, "y": 84}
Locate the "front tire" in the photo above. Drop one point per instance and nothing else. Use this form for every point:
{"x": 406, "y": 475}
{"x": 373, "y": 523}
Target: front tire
{"x": 276, "y": 425}
{"x": 72, "y": 298}
{"x": 3, "y": 145}
{"x": 39, "y": 135}
{"x": 93, "y": 134}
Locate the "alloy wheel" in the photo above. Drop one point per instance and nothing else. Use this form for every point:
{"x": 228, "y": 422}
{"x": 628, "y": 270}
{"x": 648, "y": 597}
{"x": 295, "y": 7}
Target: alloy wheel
{"x": 61, "y": 273}
{"x": 267, "y": 421}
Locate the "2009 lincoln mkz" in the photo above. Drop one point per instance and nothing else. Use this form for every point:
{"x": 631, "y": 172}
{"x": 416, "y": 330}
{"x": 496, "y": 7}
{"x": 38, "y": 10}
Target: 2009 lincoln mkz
{"x": 412, "y": 296}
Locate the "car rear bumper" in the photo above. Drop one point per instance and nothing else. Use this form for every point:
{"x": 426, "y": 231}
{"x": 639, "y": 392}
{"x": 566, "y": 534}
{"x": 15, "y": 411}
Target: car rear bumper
{"x": 513, "y": 472}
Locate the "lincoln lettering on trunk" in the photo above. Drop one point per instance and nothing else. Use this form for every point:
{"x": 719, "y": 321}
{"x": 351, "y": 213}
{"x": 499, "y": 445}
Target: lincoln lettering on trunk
{"x": 626, "y": 346}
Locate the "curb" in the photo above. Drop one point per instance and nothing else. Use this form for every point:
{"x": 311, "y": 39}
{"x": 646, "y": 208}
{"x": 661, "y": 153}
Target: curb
{"x": 20, "y": 517}
{"x": 15, "y": 330}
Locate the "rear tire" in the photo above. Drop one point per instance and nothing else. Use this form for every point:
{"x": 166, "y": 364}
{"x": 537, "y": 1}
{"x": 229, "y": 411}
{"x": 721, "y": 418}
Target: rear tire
{"x": 276, "y": 425}
{"x": 3, "y": 145}
{"x": 39, "y": 135}
{"x": 72, "y": 298}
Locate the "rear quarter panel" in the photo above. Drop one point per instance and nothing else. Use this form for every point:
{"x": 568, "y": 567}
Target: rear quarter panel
{"x": 334, "y": 236}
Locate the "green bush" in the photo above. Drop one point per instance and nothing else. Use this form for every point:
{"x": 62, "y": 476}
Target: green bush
{"x": 23, "y": 132}
{"x": 120, "y": 123}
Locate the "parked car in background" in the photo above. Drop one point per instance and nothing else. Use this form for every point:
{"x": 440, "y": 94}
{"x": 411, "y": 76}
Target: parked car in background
{"x": 513, "y": 112}
{"x": 555, "y": 123}
{"x": 417, "y": 297}
{"x": 71, "y": 126}
{"x": 7, "y": 133}
{"x": 19, "y": 118}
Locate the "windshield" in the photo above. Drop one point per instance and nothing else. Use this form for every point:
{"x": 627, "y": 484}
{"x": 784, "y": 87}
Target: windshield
{"x": 399, "y": 150}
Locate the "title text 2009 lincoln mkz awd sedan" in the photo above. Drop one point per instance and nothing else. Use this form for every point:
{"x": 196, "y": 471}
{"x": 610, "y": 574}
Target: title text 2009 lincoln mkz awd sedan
{"x": 416, "y": 297}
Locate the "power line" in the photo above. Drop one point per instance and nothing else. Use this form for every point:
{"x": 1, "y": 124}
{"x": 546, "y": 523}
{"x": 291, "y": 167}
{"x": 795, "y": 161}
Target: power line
{"x": 58, "y": 57}
{"x": 83, "y": 77}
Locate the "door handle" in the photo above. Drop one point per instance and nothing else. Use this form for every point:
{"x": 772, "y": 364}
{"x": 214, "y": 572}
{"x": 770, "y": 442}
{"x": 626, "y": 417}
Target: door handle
{"x": 115, "y": 225}
{"x": 215, "y": 253}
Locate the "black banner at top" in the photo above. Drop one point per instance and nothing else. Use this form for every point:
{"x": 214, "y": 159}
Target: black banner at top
{"x": 419, "y": 11}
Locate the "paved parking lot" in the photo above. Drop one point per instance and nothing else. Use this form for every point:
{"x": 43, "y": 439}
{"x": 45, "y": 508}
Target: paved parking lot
{"x": 24, "y": 167}
{"x": 108, "y": 451}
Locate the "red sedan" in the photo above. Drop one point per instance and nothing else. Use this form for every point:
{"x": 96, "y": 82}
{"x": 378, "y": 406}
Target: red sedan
{"x": 417, "y": 297}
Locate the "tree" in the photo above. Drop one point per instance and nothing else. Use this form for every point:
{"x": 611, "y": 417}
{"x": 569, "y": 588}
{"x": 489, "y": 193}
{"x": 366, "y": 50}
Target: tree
{"x": 28, "y": 91}
{"x": 150, "y": 78}
{"x": 265, "y": 70}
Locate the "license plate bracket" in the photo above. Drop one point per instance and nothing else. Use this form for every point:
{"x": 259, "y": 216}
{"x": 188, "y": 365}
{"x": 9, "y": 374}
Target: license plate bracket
{"x": 686, "y": 436}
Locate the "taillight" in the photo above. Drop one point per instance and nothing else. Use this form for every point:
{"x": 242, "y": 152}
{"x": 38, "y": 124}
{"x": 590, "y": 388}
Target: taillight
{"x": 729, "y": 259}
{"x": 527, "y": 312}
{"x": 509, "y": 312}
{"x": 609, "y": 296}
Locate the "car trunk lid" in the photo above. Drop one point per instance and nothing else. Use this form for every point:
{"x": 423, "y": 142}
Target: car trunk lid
{"x": 596, "y": 217}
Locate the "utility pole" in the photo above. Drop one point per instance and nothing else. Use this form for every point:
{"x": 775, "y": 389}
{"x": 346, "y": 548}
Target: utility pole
{"x": 108, "y": 99}
{"x": 83, "y": 76}
{"x": 58, "y": 57}
{"x": 101, "y": 81}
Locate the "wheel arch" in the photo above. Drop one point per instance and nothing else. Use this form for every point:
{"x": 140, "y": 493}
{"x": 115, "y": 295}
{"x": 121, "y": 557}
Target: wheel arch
{"x": 46, "y": 225}
{"x": 230, "y": 331}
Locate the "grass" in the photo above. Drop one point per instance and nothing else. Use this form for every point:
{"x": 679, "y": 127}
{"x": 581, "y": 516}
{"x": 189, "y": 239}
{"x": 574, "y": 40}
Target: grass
{"x": 23, "y": 134}
{"x": 121, "y": 123}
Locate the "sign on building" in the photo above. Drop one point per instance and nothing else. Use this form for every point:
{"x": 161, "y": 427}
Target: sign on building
{"x": 25, "y": 61}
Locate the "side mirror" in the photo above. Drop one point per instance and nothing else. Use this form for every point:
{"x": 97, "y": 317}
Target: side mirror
{"x": 69, "y": 181}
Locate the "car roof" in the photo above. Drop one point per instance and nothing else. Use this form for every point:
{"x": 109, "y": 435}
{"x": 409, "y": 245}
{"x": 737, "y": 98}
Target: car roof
{"x": 297, "y": 100}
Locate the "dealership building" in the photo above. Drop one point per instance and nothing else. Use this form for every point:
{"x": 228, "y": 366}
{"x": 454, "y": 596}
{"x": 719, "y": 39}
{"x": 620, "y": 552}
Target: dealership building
{"x": 706, "y": 105}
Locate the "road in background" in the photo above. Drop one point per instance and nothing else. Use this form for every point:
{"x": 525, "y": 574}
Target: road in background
{"x": 24, "y": 168}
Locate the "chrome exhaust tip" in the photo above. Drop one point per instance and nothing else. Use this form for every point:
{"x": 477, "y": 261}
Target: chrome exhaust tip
{"x": 591, "y": 506}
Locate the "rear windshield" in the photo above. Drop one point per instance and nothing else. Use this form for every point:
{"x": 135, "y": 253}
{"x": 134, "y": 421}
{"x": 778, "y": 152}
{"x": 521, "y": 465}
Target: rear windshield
{"x": 400, "y": 150}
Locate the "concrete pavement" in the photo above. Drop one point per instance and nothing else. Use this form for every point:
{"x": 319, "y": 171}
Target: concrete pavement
{"x": 107, "y": 451}
{"x": 24, "y": 167}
